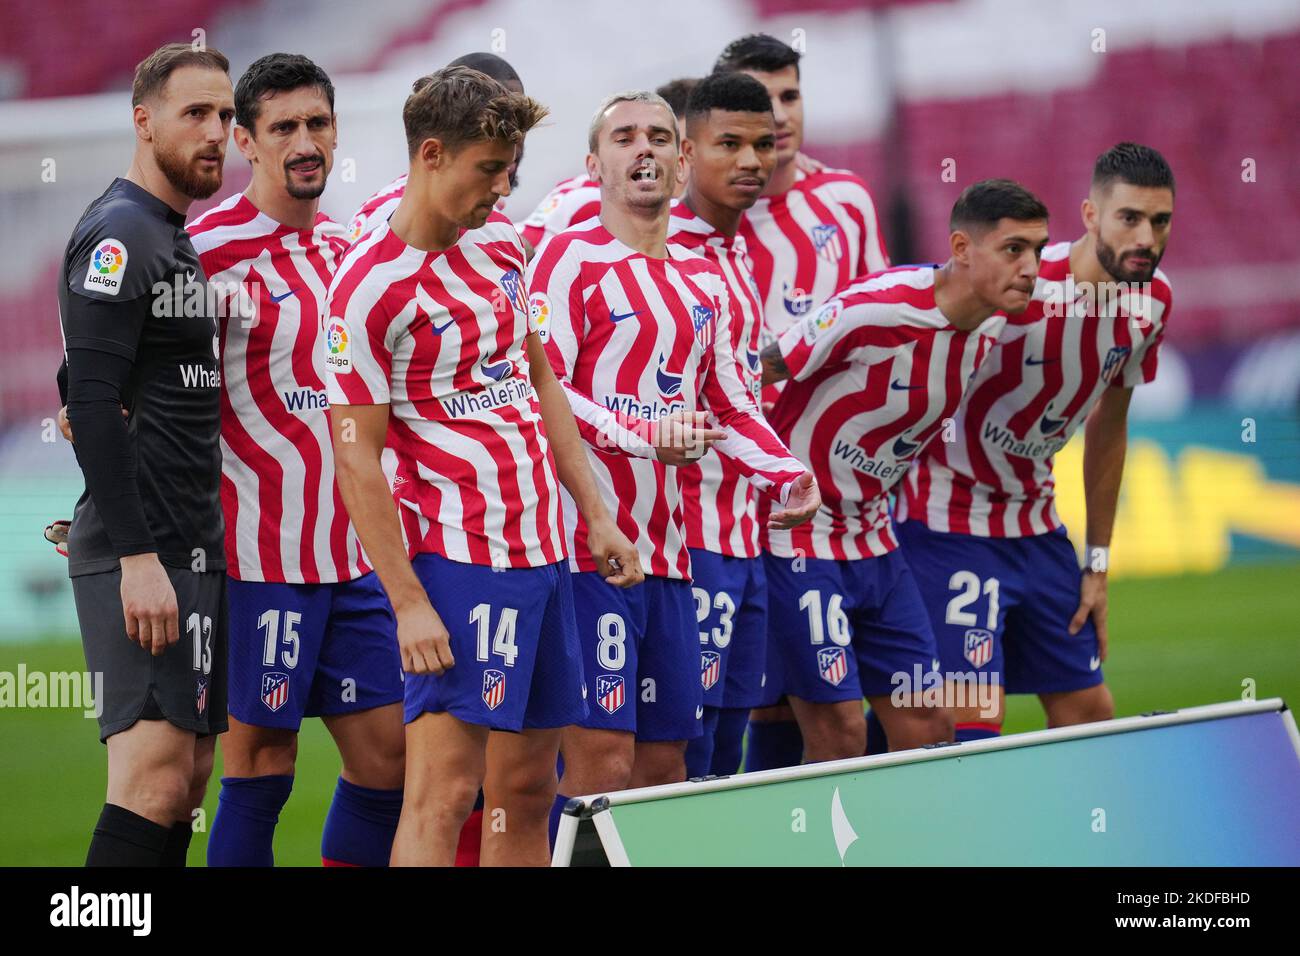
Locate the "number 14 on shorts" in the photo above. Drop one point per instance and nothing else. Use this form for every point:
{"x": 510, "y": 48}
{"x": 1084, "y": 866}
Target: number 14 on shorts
{"x": 502, "y": 643}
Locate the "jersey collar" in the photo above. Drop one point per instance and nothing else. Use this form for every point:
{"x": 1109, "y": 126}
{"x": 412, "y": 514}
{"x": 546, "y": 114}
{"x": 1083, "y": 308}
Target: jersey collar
{"x": 150, "y": 202}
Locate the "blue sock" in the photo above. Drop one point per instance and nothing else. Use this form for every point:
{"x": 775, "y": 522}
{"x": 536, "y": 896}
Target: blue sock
{"x": 877, "y": 742}
{"x": 360, "y": 825}
{"x": 244, "y": 829}
{"x": 557, "y": 811}
{"x": 699, "y": 752}
{"x": 977, "y": 732}
{"x": 773, "y": 744}
{"x": 728, "y": 741}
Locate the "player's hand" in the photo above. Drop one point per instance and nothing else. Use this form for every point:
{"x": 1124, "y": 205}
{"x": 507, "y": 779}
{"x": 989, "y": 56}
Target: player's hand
{"x": 802, "y": 504}
{"x": 65, "y": 426}
{"x": 56, "y": 532}
{"x": 616, "y": 557}
{"x": 1092, "y": 601}
{"x": 683, "y": 437}
{"x": 807, "y": 165}
{"x": 423, "y": 640}
{"x": 149, "y": 603}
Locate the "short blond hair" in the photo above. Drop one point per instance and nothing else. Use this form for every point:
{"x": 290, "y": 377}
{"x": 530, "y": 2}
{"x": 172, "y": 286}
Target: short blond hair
{"x": 457, "y": 105}
{"x": 627, "y": 96}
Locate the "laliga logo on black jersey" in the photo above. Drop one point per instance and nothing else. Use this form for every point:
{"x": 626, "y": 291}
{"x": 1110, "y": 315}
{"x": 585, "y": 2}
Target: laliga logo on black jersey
{"x": 107, "y": 267}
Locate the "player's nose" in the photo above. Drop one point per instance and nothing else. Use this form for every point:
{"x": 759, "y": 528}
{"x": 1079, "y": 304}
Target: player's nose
{"x": 501, "y": 184}
{"x": 1145, "y": 234}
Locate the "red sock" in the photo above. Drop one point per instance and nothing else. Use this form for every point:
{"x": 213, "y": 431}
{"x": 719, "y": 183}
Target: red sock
{"x": 471, "y": 836}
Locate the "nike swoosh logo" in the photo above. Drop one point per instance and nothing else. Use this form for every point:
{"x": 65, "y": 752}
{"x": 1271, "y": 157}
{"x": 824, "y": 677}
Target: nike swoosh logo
{"x": 439, "y": 329}
{"x": 1094, "y": 664}
{"x": 1030, "y": 360}
{"x": 899, "y": 387}
{"x": 620, "y": 316}
{"x": 281, "y": 298}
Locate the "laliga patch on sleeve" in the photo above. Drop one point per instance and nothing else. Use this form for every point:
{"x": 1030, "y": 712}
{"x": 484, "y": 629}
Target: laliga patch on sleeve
{"x": 539, "y": 314}
{"x": 820, "y": 321}
{"x": 338, "y": 346}
{"x": 107, "y": 267}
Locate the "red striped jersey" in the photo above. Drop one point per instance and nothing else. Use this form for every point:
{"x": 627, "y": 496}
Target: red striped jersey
{"x": 809, "y": 242}
{"x": 633, "y": 339}
{"x": 719, "y": 505}
{"x": 376, "y": 209}
{"x": 873, "y": 374}
{"x": 439, "y": 336}
{"x": 285, "y": 520}
{"x": 379, "y": 207}
{"x": 571, "y": 201}
{"x": 1046, "y": 373}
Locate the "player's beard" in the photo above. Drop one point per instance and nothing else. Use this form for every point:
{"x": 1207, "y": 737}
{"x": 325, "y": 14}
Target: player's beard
{"x": 305, "y": 191}
{"x": 1110, "y": 261}
{"x": 182, "y": 173}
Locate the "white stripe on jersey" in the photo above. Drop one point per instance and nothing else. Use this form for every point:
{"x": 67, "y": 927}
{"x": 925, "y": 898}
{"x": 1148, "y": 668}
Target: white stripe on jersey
{"x": 641, "y": 338}
{"x": 570, "y": 202}
{"x": 1041, "y": 380}
{"x": 440, "y": 336}
{"x": 873, "y": 374}
{"x": 285, "y": 518}
{"x": 810, "y": 241}
{"x": 719, "y": 506}
{"x": 376, "y": 209}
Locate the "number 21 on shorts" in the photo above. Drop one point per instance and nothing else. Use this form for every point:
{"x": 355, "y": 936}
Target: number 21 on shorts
{"x": 967, "y": 584}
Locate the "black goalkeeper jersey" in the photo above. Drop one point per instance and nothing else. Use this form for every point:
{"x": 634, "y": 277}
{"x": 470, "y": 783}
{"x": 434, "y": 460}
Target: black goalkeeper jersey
{"x": 140, "y": 332}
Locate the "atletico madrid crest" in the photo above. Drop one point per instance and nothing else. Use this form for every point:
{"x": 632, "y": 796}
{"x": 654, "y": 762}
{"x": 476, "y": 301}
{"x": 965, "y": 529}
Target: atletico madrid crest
{"x": 494, "y": 688}
{"x": 979, "y": 646}
{"x": 1114, "y": 361}
{"x": 201, "y": 696}
{"x": 710, "y": 668}
{"x": 609, "y": 692}
{"x": 833, "y": 665}
{"x": 275, "y": 690}
{"x": 824, "y": 239}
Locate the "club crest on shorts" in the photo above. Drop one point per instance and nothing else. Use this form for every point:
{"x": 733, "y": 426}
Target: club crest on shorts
{"x": 610, "y": 692}
{"x": 710, "y": 668}
{"x": 494, "y": 688}
{"x": 275, "y": 690}
{"x": 201, "y": 696}
{"x": 978, "y": 647}
{"x": 833, "y": 665}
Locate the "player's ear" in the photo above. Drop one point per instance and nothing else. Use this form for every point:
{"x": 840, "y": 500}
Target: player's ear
{"x": 432, "y": 153}
{"x": 244, "y": 143}
{"x": 140, "y": 117}
{"x": 959, "y": 245}
{"x": 593, "y": 168}
{"x": 1088, "y": 213}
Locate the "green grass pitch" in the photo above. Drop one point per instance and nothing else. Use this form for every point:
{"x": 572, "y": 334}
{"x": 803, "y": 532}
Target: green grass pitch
{"x": 1175, "y": 642}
